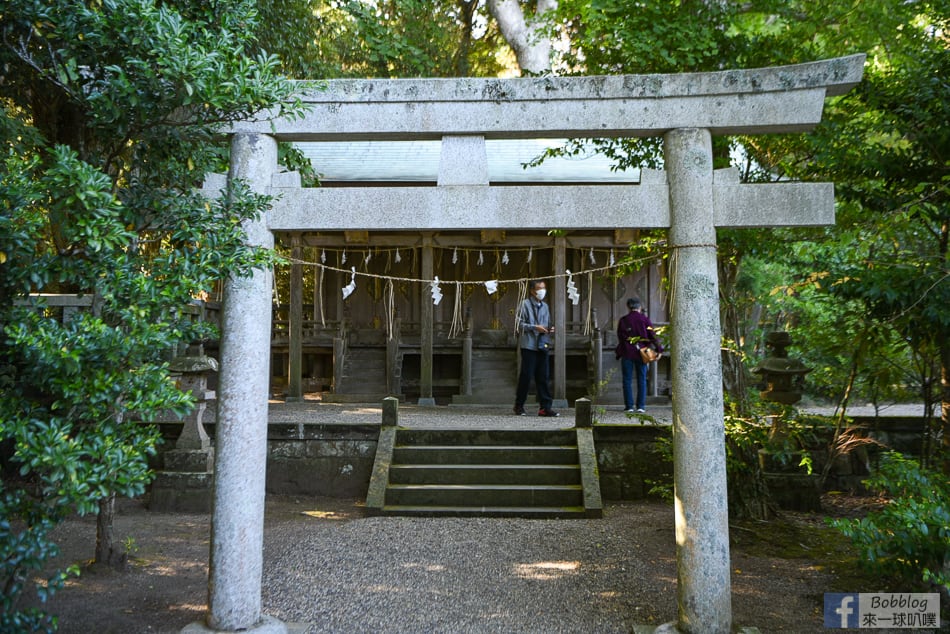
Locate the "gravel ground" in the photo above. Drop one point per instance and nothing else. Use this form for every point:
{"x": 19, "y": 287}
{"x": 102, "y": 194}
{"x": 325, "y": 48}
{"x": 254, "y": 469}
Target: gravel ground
{"x": 454, "y": 416}
{"x": 330, "y": 568}
{"x": 345, "y": 572}
{"x": 409, "y": 575}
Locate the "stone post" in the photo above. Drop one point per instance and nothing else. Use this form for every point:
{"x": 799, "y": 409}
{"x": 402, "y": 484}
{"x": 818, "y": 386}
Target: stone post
{"x": 390, "y": 411}
{"x": 237, "y": 534}
{"x": 583, "y": 413}
{"x": 699, "y": 455}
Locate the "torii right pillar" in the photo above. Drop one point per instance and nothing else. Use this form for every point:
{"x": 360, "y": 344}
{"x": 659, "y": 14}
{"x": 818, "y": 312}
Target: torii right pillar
{"x": 699, "y": 452}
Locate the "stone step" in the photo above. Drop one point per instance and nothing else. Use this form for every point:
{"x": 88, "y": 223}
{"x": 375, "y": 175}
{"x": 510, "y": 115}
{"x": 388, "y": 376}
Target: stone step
{"x": 478, "y": 495}
{"x": 479, "y": 472}
{"x": 354, "y": 397}
{"x": 488, "y": 437}
{"x": 484, "y": 474}
{"x": 363, "y": 372}
{"x": 484, "y": 455}
{"x": 537, "y": 512}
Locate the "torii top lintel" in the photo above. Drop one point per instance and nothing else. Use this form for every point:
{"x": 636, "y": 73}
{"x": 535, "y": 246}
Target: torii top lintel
{"x": 766, "y": 100}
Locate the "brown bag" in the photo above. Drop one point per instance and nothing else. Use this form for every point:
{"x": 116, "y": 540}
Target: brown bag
{"x": 648, "y": 355}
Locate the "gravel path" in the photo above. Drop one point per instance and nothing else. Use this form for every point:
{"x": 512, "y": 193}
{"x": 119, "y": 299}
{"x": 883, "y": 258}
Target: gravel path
{"x": 453, "y": 416}
{"x": 410, "y": 575}
{"x": 329, "y": 568}
{"x": 339, "y": 571}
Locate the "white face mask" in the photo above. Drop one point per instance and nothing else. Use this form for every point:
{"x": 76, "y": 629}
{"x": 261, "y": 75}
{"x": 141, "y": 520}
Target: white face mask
{"x": 541, "y": 293}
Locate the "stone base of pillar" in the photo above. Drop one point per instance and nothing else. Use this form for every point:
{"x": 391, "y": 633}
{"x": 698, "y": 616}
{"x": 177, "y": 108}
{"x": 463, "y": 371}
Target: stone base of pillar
{"x": 267, "y": 625}
{"x": 670, "y": 628}
{"x": 426, "y": 402}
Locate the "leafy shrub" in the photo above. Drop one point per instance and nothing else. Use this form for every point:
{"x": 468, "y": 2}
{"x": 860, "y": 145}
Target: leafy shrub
{"x": 910, "y": 536}
{"x": 25, "y": 547}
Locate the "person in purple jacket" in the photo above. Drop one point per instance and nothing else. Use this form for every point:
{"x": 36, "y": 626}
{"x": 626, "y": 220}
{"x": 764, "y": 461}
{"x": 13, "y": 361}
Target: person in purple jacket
{"x": 635, "y": 331}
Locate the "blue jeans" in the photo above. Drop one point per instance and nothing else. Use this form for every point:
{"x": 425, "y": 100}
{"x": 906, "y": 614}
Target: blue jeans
{"x": 627, "y": 368}
{"x": 534, "y": 365}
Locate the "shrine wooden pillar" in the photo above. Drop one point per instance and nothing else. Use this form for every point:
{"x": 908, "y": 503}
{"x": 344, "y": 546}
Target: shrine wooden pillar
{"x": 295, "y": 325}
{"x": 559, "y": 313}
{"x": 426, "y": 327}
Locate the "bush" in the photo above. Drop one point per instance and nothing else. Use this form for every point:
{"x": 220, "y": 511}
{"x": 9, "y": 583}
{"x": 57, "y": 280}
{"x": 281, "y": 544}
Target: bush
{"x": 910, "y": 536}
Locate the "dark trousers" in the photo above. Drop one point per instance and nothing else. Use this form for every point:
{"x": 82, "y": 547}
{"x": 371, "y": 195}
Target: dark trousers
{"x": 534, "y": 365}
{"x": 630, "y": 368}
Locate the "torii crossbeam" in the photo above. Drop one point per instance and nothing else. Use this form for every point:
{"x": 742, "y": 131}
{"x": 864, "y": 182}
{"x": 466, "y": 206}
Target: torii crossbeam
{"x": 689, "y": 198}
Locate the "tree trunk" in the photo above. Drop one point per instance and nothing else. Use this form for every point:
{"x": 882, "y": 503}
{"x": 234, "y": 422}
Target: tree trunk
{"x": 945, "y": 404}
{"x": 527, "y": 39}
{"x": 734, "y": 379}
{"x": 108, "y": 553}
{"x": 749, "y": 496}
{"x": 943, "y": 346}
{"x": 467, "y": 19}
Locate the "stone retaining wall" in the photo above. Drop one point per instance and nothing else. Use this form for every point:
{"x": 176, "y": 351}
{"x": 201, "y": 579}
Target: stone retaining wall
{"x": 336, "y": 460}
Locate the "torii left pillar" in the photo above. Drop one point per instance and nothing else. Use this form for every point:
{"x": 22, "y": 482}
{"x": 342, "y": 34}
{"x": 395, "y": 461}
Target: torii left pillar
{"x": 237, "y": 527}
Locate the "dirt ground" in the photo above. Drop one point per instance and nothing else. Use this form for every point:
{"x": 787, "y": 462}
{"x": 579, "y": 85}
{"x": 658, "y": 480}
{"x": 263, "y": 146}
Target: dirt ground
{"x": 782, "y": 567}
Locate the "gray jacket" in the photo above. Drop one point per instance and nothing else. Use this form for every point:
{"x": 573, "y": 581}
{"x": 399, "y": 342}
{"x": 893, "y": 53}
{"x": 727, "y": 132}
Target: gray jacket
{"x": 532, "y": 314}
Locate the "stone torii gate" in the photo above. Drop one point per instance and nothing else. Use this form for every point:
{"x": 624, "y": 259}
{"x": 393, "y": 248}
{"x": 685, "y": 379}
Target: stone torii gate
{"x": 689, "y": 198}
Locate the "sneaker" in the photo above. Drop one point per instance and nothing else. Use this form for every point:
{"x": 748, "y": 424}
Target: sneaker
{"x": 547, "y": 412}
{"x": 629, "y": 410}
{"x": 519, "y": 411}
{"x": 641, "y": 411}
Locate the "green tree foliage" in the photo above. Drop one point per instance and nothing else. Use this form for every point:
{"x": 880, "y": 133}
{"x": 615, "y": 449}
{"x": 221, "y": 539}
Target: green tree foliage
{"x": 883, "y": 268}
{"x": 110, "y": 112}
{"x": 623, "y": 36}
{"x": 908, "y": 538}
{"x": 326, "y": 39}
{"x": 866, "y": 300}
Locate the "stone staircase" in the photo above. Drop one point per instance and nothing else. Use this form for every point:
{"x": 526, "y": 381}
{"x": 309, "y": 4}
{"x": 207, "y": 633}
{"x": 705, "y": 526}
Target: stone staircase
{"x": 497, "y": 473}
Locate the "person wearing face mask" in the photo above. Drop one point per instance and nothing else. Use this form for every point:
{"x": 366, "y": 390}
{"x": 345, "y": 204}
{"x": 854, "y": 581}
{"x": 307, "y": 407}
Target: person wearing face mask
{"x": 534, "y": 321}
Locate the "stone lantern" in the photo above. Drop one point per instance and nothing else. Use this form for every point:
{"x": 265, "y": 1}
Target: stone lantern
{"x": 185, "y": 483}
{"x": 784, "y": 378}
{"x": 193, "y": 375}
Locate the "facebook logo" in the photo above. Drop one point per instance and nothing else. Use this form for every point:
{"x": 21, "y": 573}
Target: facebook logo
{"x": 882, "y": 610}
{"x": 841, "y": 609}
